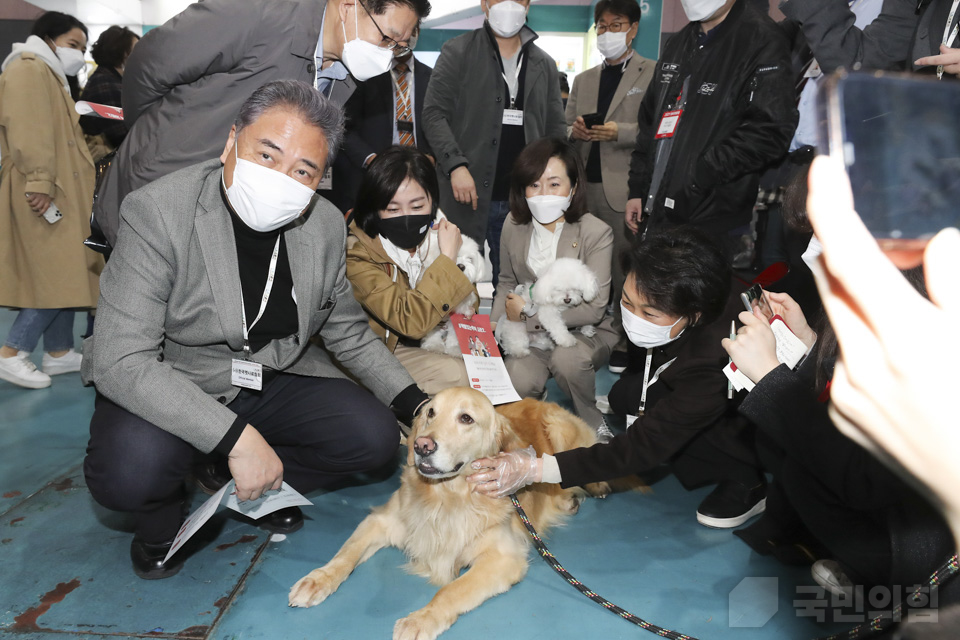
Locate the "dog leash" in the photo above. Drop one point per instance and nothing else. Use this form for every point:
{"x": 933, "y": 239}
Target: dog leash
{"x": 878, "y": 624}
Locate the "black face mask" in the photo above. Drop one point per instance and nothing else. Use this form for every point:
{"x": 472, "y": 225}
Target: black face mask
{"x": 407, "y": 232}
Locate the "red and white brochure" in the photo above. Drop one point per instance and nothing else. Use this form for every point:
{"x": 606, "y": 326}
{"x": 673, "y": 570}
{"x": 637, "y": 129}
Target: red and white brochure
{"x": 790, "y": 350}
{"x": 85, "y": 108}
{"x": 485, "y": 367}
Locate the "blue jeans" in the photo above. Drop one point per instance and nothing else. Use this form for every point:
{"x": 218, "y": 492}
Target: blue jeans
{"x": 55, "y": 325}
{"x": 495, "y": 219}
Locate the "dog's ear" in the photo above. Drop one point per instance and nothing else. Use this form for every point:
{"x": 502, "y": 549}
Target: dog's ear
{"x": 591, "y": 289}
{"x": 507, "y": 438}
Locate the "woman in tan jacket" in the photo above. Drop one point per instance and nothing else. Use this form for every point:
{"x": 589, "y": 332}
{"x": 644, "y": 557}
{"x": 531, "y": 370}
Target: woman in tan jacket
{"x": 386, "y": 246}
{"x": 46, "y": 192}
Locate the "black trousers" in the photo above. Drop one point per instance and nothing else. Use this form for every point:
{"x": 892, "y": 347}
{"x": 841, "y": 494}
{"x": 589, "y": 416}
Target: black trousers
{"x": 321, "y": 429}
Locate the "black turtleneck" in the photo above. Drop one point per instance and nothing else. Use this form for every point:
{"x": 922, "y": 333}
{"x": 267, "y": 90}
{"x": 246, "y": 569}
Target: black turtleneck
{"x": 254, "y": 250}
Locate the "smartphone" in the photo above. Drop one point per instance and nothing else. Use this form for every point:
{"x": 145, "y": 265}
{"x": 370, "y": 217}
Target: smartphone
{"x": 898, "y": 137}
{"x": 52, "y": 214}
{"x": 592, "y": 119}
{"x": 754, "y": 298}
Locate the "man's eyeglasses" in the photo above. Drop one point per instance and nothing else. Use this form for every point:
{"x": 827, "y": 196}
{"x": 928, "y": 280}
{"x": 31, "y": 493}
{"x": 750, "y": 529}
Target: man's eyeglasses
{"x": 398, "y": 50}
{"x": 615, "y": 27}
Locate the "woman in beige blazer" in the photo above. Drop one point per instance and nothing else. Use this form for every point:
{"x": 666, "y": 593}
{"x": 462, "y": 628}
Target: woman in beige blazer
{"x": 46, "y": 169}
{"x": 405, "y": 299}
{"x": 533, "y": 237}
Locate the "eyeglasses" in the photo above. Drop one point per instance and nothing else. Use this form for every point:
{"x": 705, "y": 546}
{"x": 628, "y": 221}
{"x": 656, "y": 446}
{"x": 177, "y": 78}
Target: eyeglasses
{"x": 615, "y": 27}
{"x": 398, "y": 50}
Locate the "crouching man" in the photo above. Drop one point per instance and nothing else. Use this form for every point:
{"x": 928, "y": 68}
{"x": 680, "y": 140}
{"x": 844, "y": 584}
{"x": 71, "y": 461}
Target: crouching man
{"x": 222, "y": 273}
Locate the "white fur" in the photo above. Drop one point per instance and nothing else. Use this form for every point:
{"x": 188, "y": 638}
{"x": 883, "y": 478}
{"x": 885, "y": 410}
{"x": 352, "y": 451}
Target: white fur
{"x": 442, "y": 338}
{"x": 563, "y": 285}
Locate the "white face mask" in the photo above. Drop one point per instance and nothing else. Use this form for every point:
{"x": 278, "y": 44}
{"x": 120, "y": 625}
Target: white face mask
{"x": 71, "y": 59}
{"x": 814, "y": 249}
{"x": 507, "y": 18}
{"x": 363, "y": 59}
{"x": 546, "y": 209}
{"x": 644, "y": 333}
{"x": 612, "y": 45}
{"x": 263, "y": 198}
{"x": 698, "y": 10}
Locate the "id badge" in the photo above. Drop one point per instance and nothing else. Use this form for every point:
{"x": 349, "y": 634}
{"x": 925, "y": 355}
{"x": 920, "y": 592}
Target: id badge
{"x": 247, "y": 374}
{"x": 668, "y": 124}
{"x": 326, "y": 182}
{"x": 513, "y": 116}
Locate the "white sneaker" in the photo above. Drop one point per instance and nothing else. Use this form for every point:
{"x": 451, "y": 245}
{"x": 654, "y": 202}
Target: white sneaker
{"x": 22, "y": 372}
{"x": 67, "y": 363}
{"x": 603, "y": 405}
{"x": 830, "y": 575}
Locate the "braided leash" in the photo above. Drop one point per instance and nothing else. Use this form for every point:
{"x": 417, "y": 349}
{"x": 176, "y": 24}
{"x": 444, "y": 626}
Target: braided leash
{"x": 880, "y": 623}
{"x": 582, "y": 588}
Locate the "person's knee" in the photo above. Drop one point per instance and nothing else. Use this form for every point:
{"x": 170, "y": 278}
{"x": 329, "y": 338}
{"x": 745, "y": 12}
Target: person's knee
{"x": 570, "y": 363}
{"x": 523, "y": 376}
{"x": 447, "y": 372}
{"x": 128, "y": 483}
{"x": 377, "y": 443}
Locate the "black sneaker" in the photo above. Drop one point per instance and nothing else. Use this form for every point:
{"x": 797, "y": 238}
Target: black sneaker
{"x": 731, "y": 504}
{"x": 286, "y": 520}
{"x": 618, "y": 362}
{"x": 148, "y": 561}
{"x": 211, "y": 476}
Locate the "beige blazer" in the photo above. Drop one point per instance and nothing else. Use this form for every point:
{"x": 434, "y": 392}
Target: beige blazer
{"x": 614, "y": 156}
{"x": 590, "y": 240}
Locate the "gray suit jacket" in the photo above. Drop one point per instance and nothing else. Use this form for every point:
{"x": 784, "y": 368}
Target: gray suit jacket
{"x": 463, "y": 112}
{"x": 185, "y": 81}
{"x": 614, "y": 156}
{"x": 590, "y": 240}
{"x": 169, "y": 323}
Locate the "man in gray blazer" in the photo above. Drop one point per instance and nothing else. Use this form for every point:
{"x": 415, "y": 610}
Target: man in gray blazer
{"x": 222, "y": 276}
{"x": 186, "y": 79}
{"x": 492, "y": 92}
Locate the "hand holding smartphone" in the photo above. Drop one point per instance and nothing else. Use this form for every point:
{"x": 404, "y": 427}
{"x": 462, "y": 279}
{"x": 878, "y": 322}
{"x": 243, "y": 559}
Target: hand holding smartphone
{"x": 591, "y": 120}
{"x": 52, "y": 214}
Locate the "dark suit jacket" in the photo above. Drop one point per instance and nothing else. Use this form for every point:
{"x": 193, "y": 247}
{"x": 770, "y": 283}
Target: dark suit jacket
{"x": 370, "y": 115}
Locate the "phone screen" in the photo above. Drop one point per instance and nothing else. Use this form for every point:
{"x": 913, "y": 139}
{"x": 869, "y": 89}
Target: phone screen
{"x": 754, "y": 298}
{"x": 901, "y": 145}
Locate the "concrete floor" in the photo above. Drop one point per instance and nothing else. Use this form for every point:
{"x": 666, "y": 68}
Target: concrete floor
{"x": 65, "y": 572}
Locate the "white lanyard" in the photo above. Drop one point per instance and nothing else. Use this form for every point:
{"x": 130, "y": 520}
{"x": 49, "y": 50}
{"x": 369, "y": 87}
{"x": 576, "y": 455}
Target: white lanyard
{"x": 513, "y": 98}
{"x": 647, "y": 382}
{"x": 949, "y": 36}
{"x": 263, "y": 302}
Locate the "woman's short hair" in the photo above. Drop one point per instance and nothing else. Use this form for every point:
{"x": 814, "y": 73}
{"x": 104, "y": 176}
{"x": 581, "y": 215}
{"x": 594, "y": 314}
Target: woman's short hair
{"x": 113, "y": 46}
{"x": 382, "y": 179}
{"x": 530, "y": 165}
{"x": 626, "y": 8}
{"x": 54, "y": 24}
{"x": 681, "y": 272}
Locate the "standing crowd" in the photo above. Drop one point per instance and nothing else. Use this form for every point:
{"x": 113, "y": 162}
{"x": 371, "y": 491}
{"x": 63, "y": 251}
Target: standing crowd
{"x": 248, "y": 328}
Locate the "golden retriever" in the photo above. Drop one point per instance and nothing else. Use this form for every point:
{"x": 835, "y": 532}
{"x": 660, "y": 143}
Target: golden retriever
{"x": 441, "y": 525}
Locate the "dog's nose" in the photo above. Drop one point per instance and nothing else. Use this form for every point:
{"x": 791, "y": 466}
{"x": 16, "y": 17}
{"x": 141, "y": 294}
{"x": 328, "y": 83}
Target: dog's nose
{"x": 425, "y": 446}
{"x": 567, "y": 300}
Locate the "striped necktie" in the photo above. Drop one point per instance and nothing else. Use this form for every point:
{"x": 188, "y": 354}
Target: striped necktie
{"x": 404, "y": 114}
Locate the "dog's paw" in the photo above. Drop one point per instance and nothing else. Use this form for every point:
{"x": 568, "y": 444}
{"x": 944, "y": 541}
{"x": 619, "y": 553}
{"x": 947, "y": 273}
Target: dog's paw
{"x": 598, "y": 489}
{"x": 566, "y": 340}
{"x": 588, "y": 330}
{"x": 312, "y": 589}
{"x": 419, "y": 625}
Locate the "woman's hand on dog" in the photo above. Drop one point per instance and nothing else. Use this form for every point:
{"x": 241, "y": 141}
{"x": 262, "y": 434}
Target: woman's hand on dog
{"x": 506, "y": 473}
{"x": 514, "y": 305}
{"x": 254, "y": 465}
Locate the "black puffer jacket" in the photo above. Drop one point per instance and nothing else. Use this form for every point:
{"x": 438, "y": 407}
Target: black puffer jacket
{"x": 739, "y": 117}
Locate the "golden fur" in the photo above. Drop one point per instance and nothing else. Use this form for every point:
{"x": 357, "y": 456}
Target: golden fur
{"x": 441, "y": 525}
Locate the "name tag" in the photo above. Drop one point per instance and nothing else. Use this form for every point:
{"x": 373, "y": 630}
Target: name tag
{"x": 513, "y": 116}
{"x": 668, "y": 124}
{"x": 405, "y": 126}
{"x": 326, "y": 182}
{"x": 247, "y": 375}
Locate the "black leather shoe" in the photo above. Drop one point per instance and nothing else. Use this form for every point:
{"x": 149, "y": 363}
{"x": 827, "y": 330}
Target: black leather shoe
{"x": 148, "y": 561}
{"x": 282, "y": 521}
{"x": 731, "y": 504}
{"x": 210, "y": 477}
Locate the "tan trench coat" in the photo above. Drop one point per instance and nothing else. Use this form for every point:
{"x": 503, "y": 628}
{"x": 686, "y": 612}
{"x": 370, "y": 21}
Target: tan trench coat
{"x": 385, "y": 294}
{"x": 42, "y": 150}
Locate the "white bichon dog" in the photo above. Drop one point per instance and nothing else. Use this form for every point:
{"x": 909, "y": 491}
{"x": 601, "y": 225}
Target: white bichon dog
{"x": 563, "y": 285}
{"x": 442, "y": 338}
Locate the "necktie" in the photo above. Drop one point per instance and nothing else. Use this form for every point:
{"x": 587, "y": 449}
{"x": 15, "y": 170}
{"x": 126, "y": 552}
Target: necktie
{"x": 404, "y": 114}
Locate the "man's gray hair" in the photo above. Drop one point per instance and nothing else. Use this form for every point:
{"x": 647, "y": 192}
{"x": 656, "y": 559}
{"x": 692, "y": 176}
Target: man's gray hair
{"x": 299, "y": 96}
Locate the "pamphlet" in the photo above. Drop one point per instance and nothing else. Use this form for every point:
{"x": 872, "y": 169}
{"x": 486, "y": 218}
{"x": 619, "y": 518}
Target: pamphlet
{"x": 483, "y": 360}
{"x": 85, "y": 108}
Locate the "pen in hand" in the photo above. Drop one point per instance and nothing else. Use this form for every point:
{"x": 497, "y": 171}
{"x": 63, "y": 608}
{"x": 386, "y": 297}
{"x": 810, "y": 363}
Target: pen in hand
{"x": 733, "y": 336}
